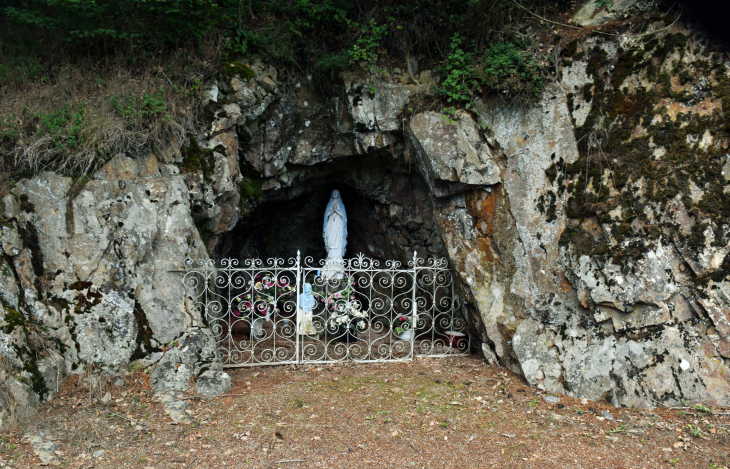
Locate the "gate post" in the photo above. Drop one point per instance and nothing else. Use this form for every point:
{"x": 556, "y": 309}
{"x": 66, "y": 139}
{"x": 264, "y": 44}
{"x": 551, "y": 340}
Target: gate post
{"x": 414, "y": 313}
{"x": 296, "y": 300}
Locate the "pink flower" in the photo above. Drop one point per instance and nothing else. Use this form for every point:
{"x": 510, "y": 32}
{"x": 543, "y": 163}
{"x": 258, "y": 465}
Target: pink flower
{"x": 352, "y": 297}
{"x": 402, "y": 318}
{"x": 236, "y": 312}
{"x": 337, "y": 295}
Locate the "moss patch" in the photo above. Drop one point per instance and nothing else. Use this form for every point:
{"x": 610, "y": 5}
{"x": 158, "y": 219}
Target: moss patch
{"x": 29, "y": 356}
{"x": 252, "y": 188}
{"x": 198, "y": 160}
{"x": 37, "y": 382}
{"x": 13, "y": 319}
{"x": 618, "y": 145}
{"x": 232, "y": 69}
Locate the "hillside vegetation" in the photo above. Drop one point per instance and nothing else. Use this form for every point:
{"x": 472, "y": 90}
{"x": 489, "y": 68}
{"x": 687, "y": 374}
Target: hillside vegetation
{"x": 83, "y": 81}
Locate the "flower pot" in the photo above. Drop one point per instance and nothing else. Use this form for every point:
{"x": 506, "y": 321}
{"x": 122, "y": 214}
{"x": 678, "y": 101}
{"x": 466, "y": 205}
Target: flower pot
{"x": 405, "y": 335}
{"x": 257, "y": 329}
{"x": 454, "y": 339}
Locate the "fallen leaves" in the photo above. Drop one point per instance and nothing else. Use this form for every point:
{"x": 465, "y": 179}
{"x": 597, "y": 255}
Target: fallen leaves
{"x": 385, "y": 420}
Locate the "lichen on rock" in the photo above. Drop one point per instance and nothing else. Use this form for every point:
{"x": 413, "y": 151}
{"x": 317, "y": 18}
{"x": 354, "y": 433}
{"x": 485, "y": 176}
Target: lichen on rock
{"x": 588, "y": 233}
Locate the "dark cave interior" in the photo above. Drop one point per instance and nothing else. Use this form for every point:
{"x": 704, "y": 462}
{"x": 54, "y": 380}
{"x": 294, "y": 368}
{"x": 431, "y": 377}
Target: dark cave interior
{"x": 389, "y": 211}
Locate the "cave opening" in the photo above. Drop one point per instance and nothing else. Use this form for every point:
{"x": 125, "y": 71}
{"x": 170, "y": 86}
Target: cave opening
{"x": 389, "y": 211}
{"x": 390, "y": 313}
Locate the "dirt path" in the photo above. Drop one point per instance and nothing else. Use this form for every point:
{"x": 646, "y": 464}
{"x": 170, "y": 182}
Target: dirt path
{"x": 432, "y": 413}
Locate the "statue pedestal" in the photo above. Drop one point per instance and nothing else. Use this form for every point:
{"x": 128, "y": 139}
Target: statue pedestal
{"x": 334, "y": 271}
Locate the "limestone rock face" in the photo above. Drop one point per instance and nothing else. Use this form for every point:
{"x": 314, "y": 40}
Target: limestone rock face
{"x": 634, "y": 324}
{"x": 588, "y": 233}
{"x": 107, "y": 332}
{"x": 591, "y": 15}
{"x": 375, "y": 105}
{"x": 95, "y": 267}
{"x": 196, "y": 352}
{"x": 452, "y": 152}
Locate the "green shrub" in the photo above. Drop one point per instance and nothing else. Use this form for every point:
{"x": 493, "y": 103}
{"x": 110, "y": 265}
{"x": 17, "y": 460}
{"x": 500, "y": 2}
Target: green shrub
{"x": 368, "y": 43}
{"x": 508, "y": 67}
{"x": 9, "y": 128}
{"x": 107, "y": 55}
{"x": 333, "y": 62}
{"x": 61, "y": 130}
{"x": 459, "y": 80}
{"x": 511, "y": 67}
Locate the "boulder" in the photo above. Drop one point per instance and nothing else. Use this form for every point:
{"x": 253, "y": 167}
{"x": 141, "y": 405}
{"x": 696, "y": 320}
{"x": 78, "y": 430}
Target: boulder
{"x": 591, "y": 14}
{"x": 196, "y": 352}
{"x": 452, "y": 151}
{"x": 212, "y": 383}
{"x": 18, "y": 402}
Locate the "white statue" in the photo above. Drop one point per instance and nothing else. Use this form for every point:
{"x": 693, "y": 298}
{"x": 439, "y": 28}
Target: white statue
{"x": 306, "y": 305}
{"x": 335, "y": 237}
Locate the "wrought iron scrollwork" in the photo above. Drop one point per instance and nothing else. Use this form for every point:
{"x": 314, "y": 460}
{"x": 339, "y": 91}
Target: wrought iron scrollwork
{"x": 372, "y": 313}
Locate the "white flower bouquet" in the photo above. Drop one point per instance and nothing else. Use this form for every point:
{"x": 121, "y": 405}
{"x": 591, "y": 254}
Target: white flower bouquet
{"x": 348, "y": 315}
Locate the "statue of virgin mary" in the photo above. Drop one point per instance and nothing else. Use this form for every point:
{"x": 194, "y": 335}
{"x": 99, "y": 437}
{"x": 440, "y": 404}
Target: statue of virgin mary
{"x": 335, "y": 237}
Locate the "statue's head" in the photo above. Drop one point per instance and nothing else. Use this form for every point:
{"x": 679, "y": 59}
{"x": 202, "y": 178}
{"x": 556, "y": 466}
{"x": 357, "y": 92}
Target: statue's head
{"x": 336, "y": 194}
{"x": 307, "y": 288}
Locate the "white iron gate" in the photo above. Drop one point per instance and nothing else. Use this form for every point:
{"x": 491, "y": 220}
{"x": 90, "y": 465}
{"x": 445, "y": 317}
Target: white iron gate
{"x": 372, "y": 313}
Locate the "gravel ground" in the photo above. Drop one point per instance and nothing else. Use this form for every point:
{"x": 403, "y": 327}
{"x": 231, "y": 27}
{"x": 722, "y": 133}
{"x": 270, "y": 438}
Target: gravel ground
{"x": 430, "y": 413}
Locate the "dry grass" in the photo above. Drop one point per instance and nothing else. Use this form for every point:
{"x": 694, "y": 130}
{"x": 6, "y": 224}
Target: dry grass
{"x": 66, "y": 120}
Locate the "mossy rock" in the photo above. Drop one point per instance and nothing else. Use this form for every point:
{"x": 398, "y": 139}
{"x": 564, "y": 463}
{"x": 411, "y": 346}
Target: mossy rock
{"x": 197, "y": 159}
{"x": 252, "y": 188}
{"x": 13, "y": 318}
{"x": 232, "y": 69}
